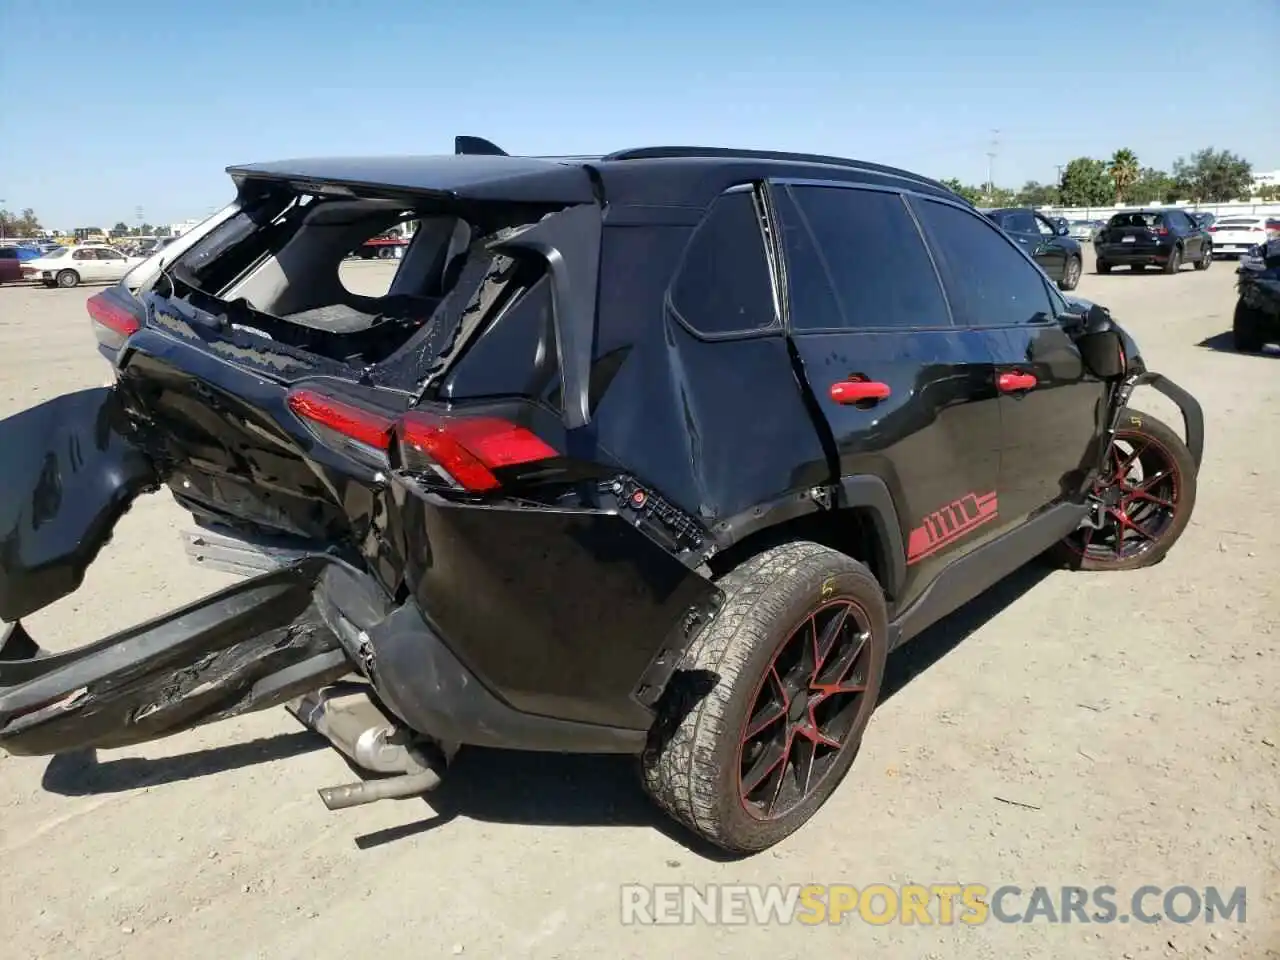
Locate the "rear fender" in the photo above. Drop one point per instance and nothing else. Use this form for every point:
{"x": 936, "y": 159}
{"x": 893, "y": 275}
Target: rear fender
{"x": 570, "y": 613}
{"x": 71, "y": 468}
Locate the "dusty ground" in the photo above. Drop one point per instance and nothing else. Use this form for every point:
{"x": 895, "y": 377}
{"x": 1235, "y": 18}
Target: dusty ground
{"x": 1136, "y": 714}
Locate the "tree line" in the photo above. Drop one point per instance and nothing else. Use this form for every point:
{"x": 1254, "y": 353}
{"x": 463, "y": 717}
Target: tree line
{"x": 27, "y": 224}
{"x": 1207, "y": 176}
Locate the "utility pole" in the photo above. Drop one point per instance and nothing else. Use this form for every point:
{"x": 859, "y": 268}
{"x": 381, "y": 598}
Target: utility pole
{"x": 1061, "y": 167}
{"x": 1, "y": 220}
{"x": 991, "y": 161}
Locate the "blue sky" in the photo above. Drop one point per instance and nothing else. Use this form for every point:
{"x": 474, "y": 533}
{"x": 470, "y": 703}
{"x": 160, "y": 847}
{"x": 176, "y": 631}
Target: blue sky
{"x": 127, "y": 103}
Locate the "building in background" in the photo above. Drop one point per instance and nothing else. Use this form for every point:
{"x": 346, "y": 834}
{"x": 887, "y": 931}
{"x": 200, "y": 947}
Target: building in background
{"x": 178, "y": 229}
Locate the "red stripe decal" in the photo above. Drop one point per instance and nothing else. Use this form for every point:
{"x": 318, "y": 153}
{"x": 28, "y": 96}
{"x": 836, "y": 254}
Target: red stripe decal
{"x": 940, "y": 528}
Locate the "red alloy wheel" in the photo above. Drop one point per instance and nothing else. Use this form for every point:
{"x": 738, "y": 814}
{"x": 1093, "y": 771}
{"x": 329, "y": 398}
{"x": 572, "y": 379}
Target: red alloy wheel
{"x": 810, "y": 706}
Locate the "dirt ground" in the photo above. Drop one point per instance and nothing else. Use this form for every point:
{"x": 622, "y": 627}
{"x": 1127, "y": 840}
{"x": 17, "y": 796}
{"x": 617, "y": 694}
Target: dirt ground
{"x": 1135, "y": 715}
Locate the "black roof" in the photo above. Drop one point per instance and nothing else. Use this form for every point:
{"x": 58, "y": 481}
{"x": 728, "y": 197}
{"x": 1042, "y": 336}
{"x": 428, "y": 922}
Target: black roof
{"x": 662, "y": 176}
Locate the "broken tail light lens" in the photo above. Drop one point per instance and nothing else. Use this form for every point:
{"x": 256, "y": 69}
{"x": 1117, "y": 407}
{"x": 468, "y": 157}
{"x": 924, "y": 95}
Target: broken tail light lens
{"x": 337, "y": 420}
{"x": 462, "y": 451}
{"x": 465, "y": 451}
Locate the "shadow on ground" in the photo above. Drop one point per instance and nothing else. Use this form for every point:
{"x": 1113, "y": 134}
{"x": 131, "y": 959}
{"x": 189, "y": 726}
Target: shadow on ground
{"x": 1225, "y": 343}
{"x": 499, "y": 786}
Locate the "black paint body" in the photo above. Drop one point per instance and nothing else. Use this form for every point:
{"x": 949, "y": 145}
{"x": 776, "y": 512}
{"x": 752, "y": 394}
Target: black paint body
{"x": 551, "y": 615}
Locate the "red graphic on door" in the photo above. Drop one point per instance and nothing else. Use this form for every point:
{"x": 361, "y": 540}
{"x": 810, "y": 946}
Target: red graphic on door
{"x": 946, "y": 526}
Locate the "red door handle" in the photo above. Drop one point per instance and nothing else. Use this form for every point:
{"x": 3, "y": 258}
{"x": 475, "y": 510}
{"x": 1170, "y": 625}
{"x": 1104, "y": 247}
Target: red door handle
{"x": 858, "y": 391}
{"x": 1015, "y": 382}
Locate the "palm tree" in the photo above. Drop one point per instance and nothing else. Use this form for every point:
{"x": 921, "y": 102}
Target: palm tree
{"x": 1124, "y": 172}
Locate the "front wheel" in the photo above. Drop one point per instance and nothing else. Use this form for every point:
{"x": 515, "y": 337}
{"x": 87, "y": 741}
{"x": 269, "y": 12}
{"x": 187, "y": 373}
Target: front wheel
{"x": 767, "y": 713}
{"x": 67, "y": 278}
{"x": 1146, "y": 492}
{"x": 1070, "y": 274}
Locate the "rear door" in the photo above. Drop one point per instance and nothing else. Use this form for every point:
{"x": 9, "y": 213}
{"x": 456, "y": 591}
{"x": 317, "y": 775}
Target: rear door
{"x": 1051, "y": 410}
{"x": 112, "y": 264}
{"x": 908, "y": 397}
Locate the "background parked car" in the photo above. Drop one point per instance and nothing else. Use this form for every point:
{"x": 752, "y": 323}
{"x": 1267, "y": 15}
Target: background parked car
{"x": 1045, "y": 241}
{"x": 10, "y": 265}
{"x": 1235, "y": 235}
{"x": 1081, "y": 231}
{"x": 1203, "y": 219}
{"x": 88, "y": 263}
{"x": 1165, "y": 238}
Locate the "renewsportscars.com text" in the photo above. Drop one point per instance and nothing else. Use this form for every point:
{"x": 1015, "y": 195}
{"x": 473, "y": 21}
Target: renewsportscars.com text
{"x": 926, "y": 904}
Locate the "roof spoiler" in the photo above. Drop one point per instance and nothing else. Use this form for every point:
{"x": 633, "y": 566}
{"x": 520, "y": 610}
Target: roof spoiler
{"x": 477, "y": 146}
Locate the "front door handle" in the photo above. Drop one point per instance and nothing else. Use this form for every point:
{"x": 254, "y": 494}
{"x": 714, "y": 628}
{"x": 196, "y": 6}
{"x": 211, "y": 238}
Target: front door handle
{"x": 859, "y": 391}
{"x": 1015, "y": 382}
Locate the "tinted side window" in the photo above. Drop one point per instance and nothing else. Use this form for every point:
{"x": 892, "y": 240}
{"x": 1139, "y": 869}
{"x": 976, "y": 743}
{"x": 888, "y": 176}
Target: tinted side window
{"x": 1020, "y": 222}
{"x": 724, "y": 284}
{"x": 8, "y": 253}
{"x": 856, "y": 260}
{"x": 988, "y": 282}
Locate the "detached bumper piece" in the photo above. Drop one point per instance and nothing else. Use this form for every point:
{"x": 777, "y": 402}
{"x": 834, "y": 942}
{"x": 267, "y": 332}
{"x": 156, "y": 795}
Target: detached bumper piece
{"x": 258, "y": 644}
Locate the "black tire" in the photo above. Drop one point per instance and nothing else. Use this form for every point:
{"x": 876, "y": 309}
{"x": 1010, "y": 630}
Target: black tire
{"x": 1174, "y": 263}
{"x": 1102, "y": 266}
{"x": 1070, "y": 274}
{"x": 1149, "y": 436}
{"x": 1206, "y": 258}
{"x": 49, "y": 283}
{"x": 693, "y": 765}
{"x": 1248, "y": 328}
{"x": 67, "y": 278}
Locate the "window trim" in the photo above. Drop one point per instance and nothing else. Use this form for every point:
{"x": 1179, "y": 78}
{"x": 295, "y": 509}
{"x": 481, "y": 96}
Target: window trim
{"x": 786, "y": 183}
{"x": 1054, "y": 302}
{"x": 776, "y": 327}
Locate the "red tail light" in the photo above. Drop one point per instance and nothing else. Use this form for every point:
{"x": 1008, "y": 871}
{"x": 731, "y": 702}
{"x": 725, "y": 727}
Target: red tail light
{"x": 1213, "y": 229}
{"x": 352, "y": 422}
{"x": 465, "y": 451}
{"x": 1161, "y": 231}
{"x": 112, "y": 316}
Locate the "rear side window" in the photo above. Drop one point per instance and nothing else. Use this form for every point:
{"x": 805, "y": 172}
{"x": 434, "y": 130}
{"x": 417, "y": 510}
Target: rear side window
{"x": 989, "y": 283}
{"x": 1019, "y": 222}
{"x": 8, "y": 253}
{"x": 856, "y": 260}
{"x": 723, "y": 285}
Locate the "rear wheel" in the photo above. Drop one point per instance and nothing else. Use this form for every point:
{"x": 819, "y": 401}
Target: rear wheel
{"x": 1148, "y": 490}
{"x": 795, "y": 661}
{"x": 1070, "y": 274}
{"x": 1174, "y": 263}
{"x": 67, "y": 278}
{"x": 1247, "y": 330}
{"x": 1102, "y": 266}
{"x": 1206, "y": 258}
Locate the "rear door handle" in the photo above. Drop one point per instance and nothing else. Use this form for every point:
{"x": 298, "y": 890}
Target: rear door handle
{"x": 1015, "y": 382}
{"x": 859, "y": 391}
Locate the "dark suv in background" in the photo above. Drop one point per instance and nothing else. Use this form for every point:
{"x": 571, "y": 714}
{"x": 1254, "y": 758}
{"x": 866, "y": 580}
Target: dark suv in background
{"x": 1046, "y": 240}
{"x": 1165, "y": 238}
{"x": 655, "y": 453}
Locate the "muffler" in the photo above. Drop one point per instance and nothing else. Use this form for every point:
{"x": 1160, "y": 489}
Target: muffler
{"x": 348, "y": 716}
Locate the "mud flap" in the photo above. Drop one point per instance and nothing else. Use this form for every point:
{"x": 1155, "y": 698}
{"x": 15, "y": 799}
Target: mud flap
{"x": 255, "y": 645}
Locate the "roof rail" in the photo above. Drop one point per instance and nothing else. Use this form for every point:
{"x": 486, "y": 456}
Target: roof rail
{"x": 729, "y": 153}
{"x": 477, "y": 146}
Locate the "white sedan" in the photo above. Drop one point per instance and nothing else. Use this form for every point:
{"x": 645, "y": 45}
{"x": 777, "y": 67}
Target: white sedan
{"x": 88, "y": 263}
{"x": 1235, "y": 235}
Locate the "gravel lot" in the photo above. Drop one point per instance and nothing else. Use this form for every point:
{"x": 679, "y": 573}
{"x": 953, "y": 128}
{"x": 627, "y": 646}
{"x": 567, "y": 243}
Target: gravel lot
{"x": 1136, "y": 716}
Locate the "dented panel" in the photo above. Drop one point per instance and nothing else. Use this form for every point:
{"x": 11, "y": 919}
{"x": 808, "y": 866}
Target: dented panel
{"x": 72, "y": 467}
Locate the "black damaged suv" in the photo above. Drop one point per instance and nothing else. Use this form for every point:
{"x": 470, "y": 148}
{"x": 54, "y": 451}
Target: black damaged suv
{"x": 660, "y": 452}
